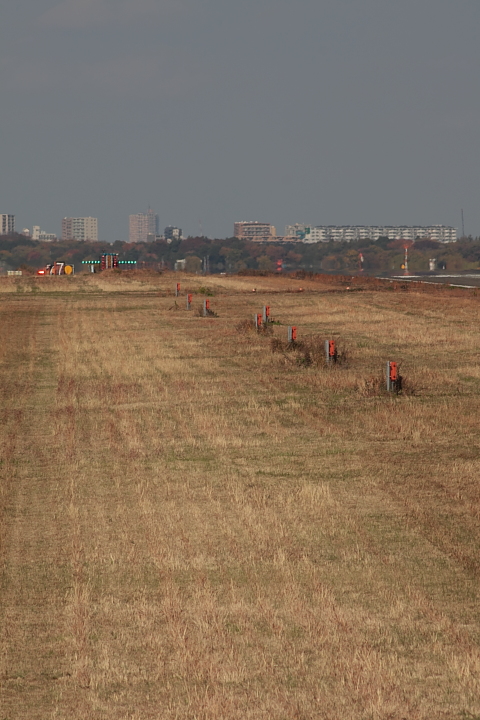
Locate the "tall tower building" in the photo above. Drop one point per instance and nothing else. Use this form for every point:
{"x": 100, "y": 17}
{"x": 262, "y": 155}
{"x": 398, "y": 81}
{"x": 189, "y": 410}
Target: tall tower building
{"x": 138, "y": 228}
{"x": 82, "y": 228}
{"x": 7, "y": 224}
{"x": 143, "y": 227}
{"x": 152, "y": 223}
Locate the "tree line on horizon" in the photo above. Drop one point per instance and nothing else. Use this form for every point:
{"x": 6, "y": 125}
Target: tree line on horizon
{"x": 232, "y": 255}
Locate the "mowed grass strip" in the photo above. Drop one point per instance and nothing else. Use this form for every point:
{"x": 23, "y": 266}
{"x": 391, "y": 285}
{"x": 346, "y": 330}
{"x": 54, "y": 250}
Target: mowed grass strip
{"x": 196, "y": 527}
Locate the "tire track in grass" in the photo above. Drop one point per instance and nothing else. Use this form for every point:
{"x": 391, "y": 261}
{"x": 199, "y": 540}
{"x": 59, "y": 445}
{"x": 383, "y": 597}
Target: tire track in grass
{"x": 33, "y": 587}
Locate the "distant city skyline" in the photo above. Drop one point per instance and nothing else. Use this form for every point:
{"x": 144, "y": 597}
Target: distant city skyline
{"x": 144, "y": 227}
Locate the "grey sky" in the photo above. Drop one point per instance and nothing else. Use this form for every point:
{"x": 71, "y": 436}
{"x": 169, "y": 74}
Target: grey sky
{"x": 325, "y": 111}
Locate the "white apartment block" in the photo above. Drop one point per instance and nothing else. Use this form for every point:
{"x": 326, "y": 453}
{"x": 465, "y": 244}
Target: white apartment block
{"x": 41, "y": 235}
{"x": 82, "y": 228}
{"x": 351, "y": 233}
{"x": 254, "y": 230}
{"x": 297, "y": 232}
{"x": 7, "y": 224}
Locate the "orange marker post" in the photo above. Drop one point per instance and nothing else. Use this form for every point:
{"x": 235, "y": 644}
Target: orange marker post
{"x": 189, "y": 301}
{"x": 394, "y": 381}
{"x": 330, "y": 351}
{"x": 177, "y": 290}
{"x": 258, "y": 320}
{"x": 292, "y": 333}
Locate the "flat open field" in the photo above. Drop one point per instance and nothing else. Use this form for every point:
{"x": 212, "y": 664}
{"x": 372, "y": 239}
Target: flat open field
{"x": 194, "y": 527}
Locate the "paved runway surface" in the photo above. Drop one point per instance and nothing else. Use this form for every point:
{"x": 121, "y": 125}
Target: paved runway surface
{"x": 466, "y": 280}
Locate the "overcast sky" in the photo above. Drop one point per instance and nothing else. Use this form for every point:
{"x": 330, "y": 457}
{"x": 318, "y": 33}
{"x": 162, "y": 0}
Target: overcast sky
{"x": 318, "y": 111}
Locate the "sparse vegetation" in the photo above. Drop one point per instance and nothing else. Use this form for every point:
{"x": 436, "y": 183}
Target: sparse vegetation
{"x": 192, "y": 526}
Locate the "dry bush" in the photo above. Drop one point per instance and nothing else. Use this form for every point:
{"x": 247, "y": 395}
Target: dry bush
{"x": 376, "y": 385}
{"x": 209, "y": 313}
{"x": 277, "y": 345}
{"x": 370, "y": 386}
{"x": 245, "y": 326}
{"x": 308, "y": 352}
{"x": 409, "y": 386}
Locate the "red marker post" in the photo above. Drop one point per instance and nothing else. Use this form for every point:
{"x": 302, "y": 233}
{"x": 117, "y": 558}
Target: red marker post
{"x": 258, "y": 321}
{"x": 189, "y": 301}
{"x": 394, "y": 380}
{"x": 177, "y": 290}
{"x": 206, "y": 307}
{"x": 330, "y": 351}
{"x": 292, "y": 334}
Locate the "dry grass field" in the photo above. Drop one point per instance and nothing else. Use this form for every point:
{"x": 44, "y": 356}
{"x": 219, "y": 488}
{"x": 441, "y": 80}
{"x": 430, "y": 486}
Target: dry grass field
{"x": 193, "y": 527}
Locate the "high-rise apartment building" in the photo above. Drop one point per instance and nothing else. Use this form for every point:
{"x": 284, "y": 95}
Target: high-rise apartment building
{"x": 138, "y": 228}
{"x": 255, "y": 231}
{"x": 81, "y": 228}
{"x": 7, "y": 224}
{"x": 153, "y": 226}
{"x": 143, "y": 227}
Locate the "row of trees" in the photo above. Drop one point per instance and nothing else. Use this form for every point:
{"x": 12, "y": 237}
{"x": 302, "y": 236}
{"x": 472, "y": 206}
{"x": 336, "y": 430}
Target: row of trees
{"x": 233, "y": 255}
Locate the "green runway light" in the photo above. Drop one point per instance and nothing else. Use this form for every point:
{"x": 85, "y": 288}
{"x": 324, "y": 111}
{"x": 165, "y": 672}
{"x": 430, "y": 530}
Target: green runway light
{"x": 120, "y": 262}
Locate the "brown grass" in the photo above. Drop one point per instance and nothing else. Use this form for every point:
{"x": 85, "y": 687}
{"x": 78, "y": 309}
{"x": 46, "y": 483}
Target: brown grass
{"x": 193, "y": 527}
